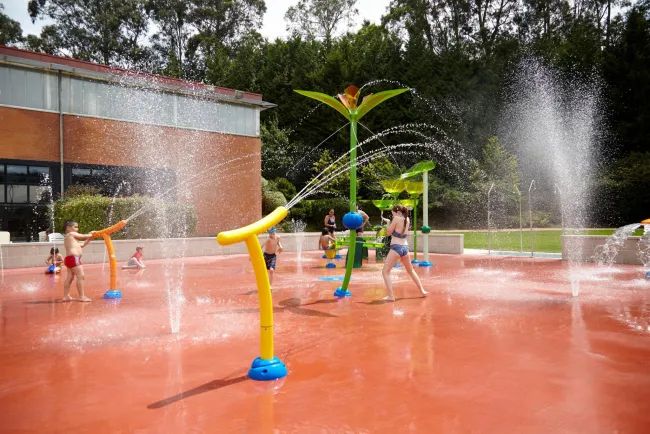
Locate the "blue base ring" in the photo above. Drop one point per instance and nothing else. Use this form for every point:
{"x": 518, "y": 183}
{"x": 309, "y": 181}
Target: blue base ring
{"x": 330, "y": 265}
{"x": 338, "y": 257}
{"x": 397, "y": 265}
{"x": 415, "y": 261}
{"x": 341, "y": 293}
{"x": 267, "y": 370}
{"x": 647, "y": 275}
{"x": 426, "y": 264}
{"x": 113, "y": 293}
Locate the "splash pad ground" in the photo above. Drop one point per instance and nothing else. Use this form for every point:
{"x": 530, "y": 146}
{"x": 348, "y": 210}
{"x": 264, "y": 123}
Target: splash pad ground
{"x": 498, "y": 346}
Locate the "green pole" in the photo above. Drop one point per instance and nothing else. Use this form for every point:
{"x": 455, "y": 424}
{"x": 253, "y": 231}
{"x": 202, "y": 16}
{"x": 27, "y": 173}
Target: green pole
{"x": 415, "y": 229}
{"x": 353, "y": 199}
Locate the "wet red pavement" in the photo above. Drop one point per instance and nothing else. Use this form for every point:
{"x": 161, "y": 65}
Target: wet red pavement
{"x": 499, "y": 346}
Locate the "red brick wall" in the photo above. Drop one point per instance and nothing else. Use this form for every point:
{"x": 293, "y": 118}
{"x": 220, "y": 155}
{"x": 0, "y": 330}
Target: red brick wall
{"x": 29, "y": 135}
{"x": 225, "y": 197}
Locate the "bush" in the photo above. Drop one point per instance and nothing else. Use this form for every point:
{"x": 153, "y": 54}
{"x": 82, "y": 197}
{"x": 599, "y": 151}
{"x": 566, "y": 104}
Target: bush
{"x": 284, "y": 186}
{"x": 301, "y": 211}
{"x": 162, "y": 219}
{"x": 271, "y": 200}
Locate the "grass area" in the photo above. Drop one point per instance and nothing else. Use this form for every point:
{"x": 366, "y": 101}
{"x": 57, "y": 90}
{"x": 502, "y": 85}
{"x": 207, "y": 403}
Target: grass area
{"x": 544, "y": 240}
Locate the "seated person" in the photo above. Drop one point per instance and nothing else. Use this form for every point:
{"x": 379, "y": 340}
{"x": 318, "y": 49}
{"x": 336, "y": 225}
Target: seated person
{"x": 54, "y": 261}
{"x": 136, "y": 260}
{"x": 326, "y": 241}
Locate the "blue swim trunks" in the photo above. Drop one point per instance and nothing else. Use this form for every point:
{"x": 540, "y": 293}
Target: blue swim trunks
{"x": 401, "y": 249}
{"x": 270, "y": 258}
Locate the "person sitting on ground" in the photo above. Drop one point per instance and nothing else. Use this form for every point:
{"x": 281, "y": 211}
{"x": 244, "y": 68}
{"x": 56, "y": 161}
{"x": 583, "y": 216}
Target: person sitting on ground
{"x": 326, "y": 241}
{"x": 136, "y": 260}
{"x": 54, "y": 261}
{"x": 73, "y": 259}
{"x": 272, "y": 247}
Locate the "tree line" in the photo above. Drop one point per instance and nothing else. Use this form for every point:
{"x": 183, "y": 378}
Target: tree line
{"x": 457, "y": 54}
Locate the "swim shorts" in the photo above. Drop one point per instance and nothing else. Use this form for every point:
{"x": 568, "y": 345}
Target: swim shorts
{"x": 270, "y": 259}
{"x": 72, "y": 261}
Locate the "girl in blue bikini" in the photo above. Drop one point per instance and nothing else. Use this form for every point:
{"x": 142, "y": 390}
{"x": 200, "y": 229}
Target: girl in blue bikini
{"x": 399, "y": 250}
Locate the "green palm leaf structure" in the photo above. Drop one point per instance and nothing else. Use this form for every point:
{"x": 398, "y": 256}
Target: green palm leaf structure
{"x": 327, "y": 99}
{"x": 421, "y": 167}
{"x": 373, "y": 100}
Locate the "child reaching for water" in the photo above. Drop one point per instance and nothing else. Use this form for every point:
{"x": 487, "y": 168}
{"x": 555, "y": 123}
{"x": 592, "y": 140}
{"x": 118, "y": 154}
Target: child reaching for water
{"x": 54, "y": 261}
{"x": 272, "y": 247}
{"x": 136, "y": 260}
{"x": 73, "y": 259}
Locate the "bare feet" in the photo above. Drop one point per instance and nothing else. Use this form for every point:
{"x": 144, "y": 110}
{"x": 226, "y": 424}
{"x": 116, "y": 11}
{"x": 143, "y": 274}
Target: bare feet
{"x": 389, "y": 298}
{"x": 85, "y": 299}
{"x": 424, "y": 293}
{"x": 66, "y": 298}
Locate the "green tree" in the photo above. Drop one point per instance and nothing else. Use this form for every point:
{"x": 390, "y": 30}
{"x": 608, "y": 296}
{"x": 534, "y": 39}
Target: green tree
{"x": 102, "y": 31}
{"x": 320, "y": 19}
{"x": 170, "y": 42}
{"x": 10, "y": 31}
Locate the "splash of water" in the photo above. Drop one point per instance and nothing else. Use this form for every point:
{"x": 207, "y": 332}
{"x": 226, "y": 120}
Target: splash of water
{"x": 605, "y": 255}
{"x": 298, "y": 227}
{"x": 110, "y": 217}
{"x": 555, "y": 124}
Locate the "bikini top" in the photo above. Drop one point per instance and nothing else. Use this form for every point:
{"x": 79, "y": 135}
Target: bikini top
{"x": 331, "y": 221}
{"x": 398, "y": 235}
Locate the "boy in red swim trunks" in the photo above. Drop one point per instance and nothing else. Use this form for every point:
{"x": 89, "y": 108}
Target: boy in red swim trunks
{"x": 73, "y": 259}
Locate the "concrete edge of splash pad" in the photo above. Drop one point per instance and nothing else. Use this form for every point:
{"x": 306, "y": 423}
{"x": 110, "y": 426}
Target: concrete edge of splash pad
{"x": 544, "y": 255}
{"x": 334, "y": 278}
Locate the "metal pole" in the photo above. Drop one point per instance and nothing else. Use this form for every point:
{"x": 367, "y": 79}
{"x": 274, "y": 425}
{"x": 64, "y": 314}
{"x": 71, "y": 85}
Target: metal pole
{"x": 521, "y": 227}
{"x": 61, "y": 132}
{"x": 530, "y": 215}
{"x": 425, "y": 220}
{"x": 488, "y": 220}
{"x": 415, "y": 231}
{"x": 557, "y": 190}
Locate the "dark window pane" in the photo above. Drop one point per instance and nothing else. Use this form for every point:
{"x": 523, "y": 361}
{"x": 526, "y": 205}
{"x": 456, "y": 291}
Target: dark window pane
{"x": 16, "y": 174}
{"x": 39, "y": 194}
{"x": 17, "y": 193}
{"x": 81, "y": 176}
{"x": 2, "y": 173}
{"x": 39, "y": 175}
{"x": 2, "y": 193}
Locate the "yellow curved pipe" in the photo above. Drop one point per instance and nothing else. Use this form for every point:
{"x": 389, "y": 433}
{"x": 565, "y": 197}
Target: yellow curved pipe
{"x": 238, "y": 235}
{"x": 249, "y": 235}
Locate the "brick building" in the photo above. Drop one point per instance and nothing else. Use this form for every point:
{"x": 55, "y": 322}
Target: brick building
{"x": 65, "y": 122}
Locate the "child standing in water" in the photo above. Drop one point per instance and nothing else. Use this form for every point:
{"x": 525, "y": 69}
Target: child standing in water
{"x": 399, "y": 250}
{"x": 73, "y": 259}
{"x": 271, "y": 248}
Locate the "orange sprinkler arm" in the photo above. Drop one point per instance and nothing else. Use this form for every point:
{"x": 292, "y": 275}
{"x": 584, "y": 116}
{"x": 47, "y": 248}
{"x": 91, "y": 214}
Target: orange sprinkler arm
{"x": 646, "y": 222}
{"x": 116, "y": 227}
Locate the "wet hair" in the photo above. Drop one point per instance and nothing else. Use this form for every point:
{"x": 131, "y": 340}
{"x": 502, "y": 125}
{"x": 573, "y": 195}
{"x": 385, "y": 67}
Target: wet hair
{"x": 325, "y": 232}
{"x": 69, "y": 223}
{"x": 402, "y": 210}
{"x": 139, "y": 248}
{"x": 54, "y": 251}
{"x": 330, "y": 210}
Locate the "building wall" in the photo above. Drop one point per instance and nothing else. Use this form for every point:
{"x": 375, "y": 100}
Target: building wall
{"x": 225, "y": 197}
{"x": 20, "y": 140}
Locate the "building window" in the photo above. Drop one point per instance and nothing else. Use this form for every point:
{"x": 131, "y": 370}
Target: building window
{"x": 38, "y": 175}
{"x": 17, "y": 194}
{"x": 127, "y": 181}
{"x": 16, "y": 174}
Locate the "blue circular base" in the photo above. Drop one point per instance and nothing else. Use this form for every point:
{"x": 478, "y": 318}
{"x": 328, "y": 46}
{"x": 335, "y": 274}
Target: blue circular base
{"x": 341, "y": 293}
{"x": 415, "y": 261}
{"x": 338, "y": 257}
{"x": 647, "y": 275}
{"x": 397, "y": 265}
{"x": 334, "y": 278}
{"x": 330, "y": 265}
{"x": 267, "y": 370}
{"x": 324, "y": 256}
{"x": 426, "y": 264}
{"x": 113, "y": 293}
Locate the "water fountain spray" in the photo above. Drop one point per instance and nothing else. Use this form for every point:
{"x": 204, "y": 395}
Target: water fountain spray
{"x": 556, "y": 190}
{"x": 347, "y": 106}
